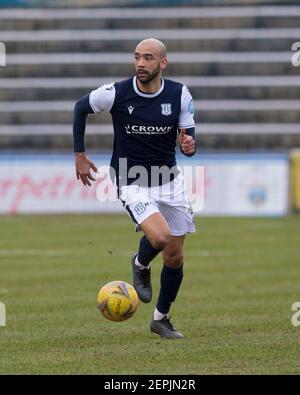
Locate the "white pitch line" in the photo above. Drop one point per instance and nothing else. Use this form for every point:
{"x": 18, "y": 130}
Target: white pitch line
{"x": 35, "y": 252}
{"x": 55, "y": 253}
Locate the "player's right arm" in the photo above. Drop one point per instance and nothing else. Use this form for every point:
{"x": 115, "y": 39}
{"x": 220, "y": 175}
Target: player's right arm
{"x": 82, "y": 163}
{"x": 98, "y": 100}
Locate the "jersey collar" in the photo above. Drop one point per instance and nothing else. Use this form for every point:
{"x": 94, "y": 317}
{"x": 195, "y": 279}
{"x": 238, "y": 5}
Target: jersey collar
{"x": 149, "y": 95}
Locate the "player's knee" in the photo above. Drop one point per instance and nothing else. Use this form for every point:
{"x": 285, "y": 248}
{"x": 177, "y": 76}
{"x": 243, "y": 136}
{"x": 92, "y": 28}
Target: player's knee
{"x": 160, "y": 240}
{"x": 174, "y": 260}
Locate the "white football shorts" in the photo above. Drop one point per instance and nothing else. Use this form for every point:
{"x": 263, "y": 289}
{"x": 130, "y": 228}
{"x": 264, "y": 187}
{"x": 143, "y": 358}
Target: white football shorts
{"x": 170, "y": 200}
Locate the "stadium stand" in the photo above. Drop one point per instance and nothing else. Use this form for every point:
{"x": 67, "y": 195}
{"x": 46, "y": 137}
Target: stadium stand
{"x": 235, "y": 60}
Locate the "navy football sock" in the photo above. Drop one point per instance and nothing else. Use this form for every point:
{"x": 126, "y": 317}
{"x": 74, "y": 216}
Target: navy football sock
{"x": 170, "y": 281}
{"x": 146, "y": 252}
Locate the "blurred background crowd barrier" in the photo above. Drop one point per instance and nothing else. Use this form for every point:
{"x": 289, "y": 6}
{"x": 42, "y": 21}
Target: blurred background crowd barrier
{"x": 235, "y": 57}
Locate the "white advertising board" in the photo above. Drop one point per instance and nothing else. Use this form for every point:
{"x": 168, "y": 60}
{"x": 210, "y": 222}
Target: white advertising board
{"x": 246, "y": 185}
{"x": 229, "y": 184}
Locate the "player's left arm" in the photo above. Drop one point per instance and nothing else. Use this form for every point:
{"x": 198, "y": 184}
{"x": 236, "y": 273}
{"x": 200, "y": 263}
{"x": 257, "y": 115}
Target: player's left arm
{"x": 187, "y": 141}
{"x": 186, "y": 124}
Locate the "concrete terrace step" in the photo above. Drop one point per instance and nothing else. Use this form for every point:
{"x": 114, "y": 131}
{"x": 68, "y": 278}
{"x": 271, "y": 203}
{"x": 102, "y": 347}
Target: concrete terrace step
{"x": 190, "y": 81}
{"x": 204, "y": 105}
{"x": 258, "y": 87}
{"x": 234, "y": 116}
{"x": 184, "y": 63}
{"x": 30, "y": 112}
{"x": 150, "y": 13}
{"x": 147, "y": 23}
{"x": 201, "y": 129}
{"x": 263, "y": 16}
{"x": 99, "y": 46}
{"x": 63, "y": 41}
{"x": 99, "y": 137}
{"x": 228, "y": 56}
{"x": 127, "y": 58}
{"x": 134, "y": 34}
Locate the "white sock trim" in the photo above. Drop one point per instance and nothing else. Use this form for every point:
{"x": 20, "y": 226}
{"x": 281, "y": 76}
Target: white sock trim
{"x": 158, "y": 315}
{"x": 138, "y": 264}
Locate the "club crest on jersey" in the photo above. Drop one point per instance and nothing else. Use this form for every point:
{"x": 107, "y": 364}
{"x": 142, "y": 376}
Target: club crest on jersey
{"x": 166, "y": 109}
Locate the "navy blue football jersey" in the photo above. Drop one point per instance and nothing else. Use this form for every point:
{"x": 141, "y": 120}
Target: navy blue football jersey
{"x": 145, "y": 125}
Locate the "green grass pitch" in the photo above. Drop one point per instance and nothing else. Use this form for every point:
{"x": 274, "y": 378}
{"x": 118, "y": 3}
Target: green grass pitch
{"x": 234, "y": 307}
